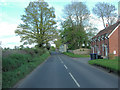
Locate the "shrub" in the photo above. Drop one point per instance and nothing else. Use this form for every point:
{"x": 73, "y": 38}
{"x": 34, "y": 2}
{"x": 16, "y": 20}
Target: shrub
{"x": 111, "y": 56}
{"x": 111, "y": 64}
{"x": 76, "y": 55}
{"x": 14, "y": 61}
{"x": 52, "y": 48}
{"x": 21, "y": 67}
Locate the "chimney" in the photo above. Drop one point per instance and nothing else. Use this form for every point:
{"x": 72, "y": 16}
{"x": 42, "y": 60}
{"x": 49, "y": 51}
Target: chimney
{"x": 106, "y": 25}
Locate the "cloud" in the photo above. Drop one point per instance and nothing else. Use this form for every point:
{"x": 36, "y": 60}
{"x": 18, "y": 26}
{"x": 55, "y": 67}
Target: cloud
{"x": 11, "y": 42}
{"x": 97, "y": 22}
{"x": 8, "y": 37}
{"x": 7, "y": 29}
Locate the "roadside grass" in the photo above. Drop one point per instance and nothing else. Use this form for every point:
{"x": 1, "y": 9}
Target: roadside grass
{"x": 76, "y": 55}
{"x": 52, "y": 49}
{"x": 17, "y": 66}
{"x": 0, "y": 79}
{"x": 106, "y": 63}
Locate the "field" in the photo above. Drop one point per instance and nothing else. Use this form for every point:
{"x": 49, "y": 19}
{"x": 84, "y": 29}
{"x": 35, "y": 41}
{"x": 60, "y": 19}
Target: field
{"x": 17, "y": 65}
{"x": 75, "y": 55}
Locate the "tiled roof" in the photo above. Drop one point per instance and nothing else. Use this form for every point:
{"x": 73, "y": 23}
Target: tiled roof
{"x": 107, "y": 30}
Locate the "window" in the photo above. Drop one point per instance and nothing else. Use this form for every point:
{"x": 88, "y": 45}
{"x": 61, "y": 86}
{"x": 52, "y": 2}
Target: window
{"x": 99, "y": 38}
{"x": 102, "y": 37}
{"x": 93, "y": 49}
{"x": 103, "y": 47}
{"x": 106, "y": 36}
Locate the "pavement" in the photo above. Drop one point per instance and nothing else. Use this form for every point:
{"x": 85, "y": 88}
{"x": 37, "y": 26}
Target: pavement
{"x": 61, "y": 71}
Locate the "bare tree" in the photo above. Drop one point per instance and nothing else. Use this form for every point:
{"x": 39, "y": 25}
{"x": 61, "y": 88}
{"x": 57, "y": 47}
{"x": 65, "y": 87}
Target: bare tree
{"x": 105, "y": 11}
{"x": 76, "y": 14}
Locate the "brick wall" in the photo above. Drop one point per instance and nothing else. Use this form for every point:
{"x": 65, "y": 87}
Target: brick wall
{"x": 119, "y": 40}
{"x": 80, "y": 51}
{"x": 99, "y": 45}
{"x": 113, "y": 43}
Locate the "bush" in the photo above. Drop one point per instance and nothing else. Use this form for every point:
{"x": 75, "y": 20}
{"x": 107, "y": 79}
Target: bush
{"x": 111, "y": 56}
{"x": 16, "y": 67}
{"x": 76, "y": 55}
{"x": 14, "y": 61}
{"x": 111, "y": 64}
{"x": 52, "y": 48}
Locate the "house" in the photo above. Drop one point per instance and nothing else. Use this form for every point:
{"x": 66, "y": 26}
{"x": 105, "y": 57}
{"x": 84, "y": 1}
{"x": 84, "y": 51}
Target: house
{"x": 107, "y": 41}
{"x": 52, "y": 44}
{"x": 63, "y": 48}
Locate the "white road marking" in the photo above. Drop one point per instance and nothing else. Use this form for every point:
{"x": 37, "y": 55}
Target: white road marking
{"x": 65, "y": 66}
{"x": 74, "y": 80}
{"x": 61, "y": 60}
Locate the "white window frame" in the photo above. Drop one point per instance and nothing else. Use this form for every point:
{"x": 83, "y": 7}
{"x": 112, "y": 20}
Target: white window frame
{"x": 93, "y": 49}
{"x": 103, "y": 47}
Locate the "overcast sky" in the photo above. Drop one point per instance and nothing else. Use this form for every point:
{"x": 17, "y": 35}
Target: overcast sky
{"x": 11, "y": 11}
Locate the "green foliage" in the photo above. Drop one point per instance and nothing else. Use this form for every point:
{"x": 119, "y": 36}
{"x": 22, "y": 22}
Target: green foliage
{"x": 21, "y": 47}
{"x": 73, "y": 32}
{"x": 48, "y": 46}
{"x": 0, "y": 80}
{"x": 75, "y": 37}
{"x": 6, "y": 48}
{"x": 110, "y": 64}
{"x": 14, "y": 61}
{"x": 17, "y": 66}
{"x": 34, "y": 51}
{"x": 38, "y": 24}
{"x": 75, "y": 55}
{"x": 52, "y": 48}
{"x": 58, "y": 43}
{"x": 91, "y": 31}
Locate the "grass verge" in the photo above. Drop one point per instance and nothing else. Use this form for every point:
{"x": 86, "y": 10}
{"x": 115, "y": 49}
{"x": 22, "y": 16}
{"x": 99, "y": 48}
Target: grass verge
{"x": 108, "y": 64}
{"x": 75, "y": 55}
{"x": 25, "y": 64}
{"x": 0, "y": 80}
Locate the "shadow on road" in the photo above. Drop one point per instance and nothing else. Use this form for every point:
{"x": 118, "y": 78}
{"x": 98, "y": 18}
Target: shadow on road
{"x": 54, "y": 53}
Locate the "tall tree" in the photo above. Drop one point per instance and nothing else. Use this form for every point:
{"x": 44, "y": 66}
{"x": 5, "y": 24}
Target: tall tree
{"x": 77, "y": 12}
{"x": 76, "y": 15}
{"x": 105, "y": 11}
{"x": 38, "y": 23}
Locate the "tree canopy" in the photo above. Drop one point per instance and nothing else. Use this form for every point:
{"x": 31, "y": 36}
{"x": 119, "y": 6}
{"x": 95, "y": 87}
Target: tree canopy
{"x": 38, "y": 24}
{"x": 106, "y": 12}
{"x": 73, "y": 33}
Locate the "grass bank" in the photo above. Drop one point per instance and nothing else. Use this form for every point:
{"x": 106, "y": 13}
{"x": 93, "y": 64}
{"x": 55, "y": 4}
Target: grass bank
{"x": 75, "y": 55}
{"x": 108, "y": 64}
{"x": 0, "y": 80}
{"x": 17, "y": 66}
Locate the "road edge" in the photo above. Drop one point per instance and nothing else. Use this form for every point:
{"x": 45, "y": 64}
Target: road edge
{"x": 20, "y": 81}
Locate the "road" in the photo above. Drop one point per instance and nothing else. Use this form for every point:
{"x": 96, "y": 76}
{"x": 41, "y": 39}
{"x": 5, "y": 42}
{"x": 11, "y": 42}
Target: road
{"x": 61, "y": 71}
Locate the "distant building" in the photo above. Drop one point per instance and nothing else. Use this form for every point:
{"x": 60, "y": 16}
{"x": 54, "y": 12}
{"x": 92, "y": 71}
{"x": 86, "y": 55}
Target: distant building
{"x": 107, "y": 41}
{"x": 63, "y": 48}
{"x": 52, "y": 44}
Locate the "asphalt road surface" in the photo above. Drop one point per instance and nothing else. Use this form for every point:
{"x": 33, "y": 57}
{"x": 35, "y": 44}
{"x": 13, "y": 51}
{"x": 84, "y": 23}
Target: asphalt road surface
{"x": 61, "y": 71}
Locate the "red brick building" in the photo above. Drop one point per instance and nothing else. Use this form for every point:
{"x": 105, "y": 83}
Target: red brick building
{"x": 107, "y": 41}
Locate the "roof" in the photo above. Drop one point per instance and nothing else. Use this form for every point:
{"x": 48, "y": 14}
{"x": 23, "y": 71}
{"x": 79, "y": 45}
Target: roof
{"x": 107, "y": 30}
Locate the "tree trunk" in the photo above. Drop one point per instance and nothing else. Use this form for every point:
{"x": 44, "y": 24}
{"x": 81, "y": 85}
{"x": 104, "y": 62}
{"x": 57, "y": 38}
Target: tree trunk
{"x": 103, "y": 22}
